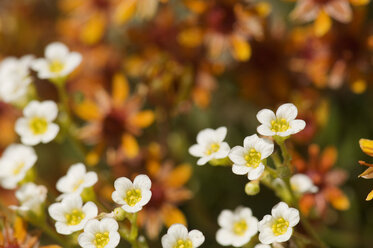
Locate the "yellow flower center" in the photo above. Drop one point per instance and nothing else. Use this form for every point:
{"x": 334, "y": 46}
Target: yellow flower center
{"x": 133, "y": 196}
{"x": 279, "y": 125}
{"x": 214, "y": 147}
{"x": 56, "y": 66}
{"x": 240, "y": 227}
{"x": 18, "y": 168}
{"x": 38, "y": 125}
{"x": 253, "y": 158}
{"x": 77, "y": 184}
{"x": 183, "y": 244}
{"x": 280, "y": 226}
{"x": 101, "y": 239}
{"x": 75, "y": 217}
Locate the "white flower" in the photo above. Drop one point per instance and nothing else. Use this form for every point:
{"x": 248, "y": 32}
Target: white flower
{"x": 210, "y": 145}
{"x": 15, "y": 162}
{"x": 301, "y": 184}
{"x": 15, "y": 78}
{"x": 30, "y": 196}
{"x": 36, "y": 126}
{"x": 58, "y": 61}
{"x": 70, "y": 214}
{"x": 178, "y": 237}
{"x": 262, "y": 246}
{"x": 237, "y": 227}
{"x": 100, "y": 234}
{"x": 282, "y": 124}
{"x": 76, "y": 180}
{"x": 278, "y": 227}
{"x": 248, "y": 159}
{"x": 132, "y": 196}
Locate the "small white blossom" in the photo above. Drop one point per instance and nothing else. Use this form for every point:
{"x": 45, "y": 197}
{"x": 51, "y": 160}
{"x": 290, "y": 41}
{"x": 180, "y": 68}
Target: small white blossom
{"x": 301, "y": 183}
{"x": 248, "y": 159}
{"x": 58, "y": 62}
{"x": 278, "y": 227}
{"x": 15, "y": 78}
{"x": 237, "y": 227}
{"x": 178, "y": 237}
{"x": 100, "y": 234}
{"x": 283, "y": 123}
{"x": 15, "y": 162}
{"x": 76, "y": 180}
{"x": 30, "y": 197}
{"x": 37, "y": 124}
{"x": 262, "y": 246}
{"x": 132, "y": 196}
{"x": 210, "y": 145}
{"x": 70, "y": 214}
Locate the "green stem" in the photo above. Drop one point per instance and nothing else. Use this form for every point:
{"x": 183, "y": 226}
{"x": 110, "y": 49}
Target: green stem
{"x": 307, "y": 226}
{"x": 271, "y": 171}
{"x": 276, "y": 160}
{"x": 285, "y": 153}
{"x": 134, "y": 230}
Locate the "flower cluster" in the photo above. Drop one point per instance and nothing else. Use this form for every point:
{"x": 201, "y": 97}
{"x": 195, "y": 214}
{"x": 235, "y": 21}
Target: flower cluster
{"x": 239, "y": 227}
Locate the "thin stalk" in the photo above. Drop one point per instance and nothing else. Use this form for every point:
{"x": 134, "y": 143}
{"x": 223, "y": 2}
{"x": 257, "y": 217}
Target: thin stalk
{"x": 307, "y": 226}
{"x": 133, "y": 231}
{"x": 276, "y": 160}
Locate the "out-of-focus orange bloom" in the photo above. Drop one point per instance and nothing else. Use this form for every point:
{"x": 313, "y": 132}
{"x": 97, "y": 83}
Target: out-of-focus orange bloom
{"x": 256, "y": 83}
{"x": 312, "y": 56}
{"x": 8, "y": 116}
{"x": 367, "y": 147}
{"x": 328, "y": 62}
{"x": 88, "y": 21}
{"x": 170, "y": 82}
{"x": 142, "y": 9}
{"x": 319, "y": 169}
{"x": 228, "y": 27}
{"x": 114, "y": 121}
{"x": 320, "y": 11}
{"x": 17, "y": 235}
{"x": 313, "y": 109}
{"x": 168, "y": 192}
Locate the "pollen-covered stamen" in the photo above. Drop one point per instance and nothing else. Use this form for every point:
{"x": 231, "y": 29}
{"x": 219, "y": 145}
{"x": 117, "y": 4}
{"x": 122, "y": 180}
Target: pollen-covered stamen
{"x": 56, "y": 66}
{"x": 18, "y": 168}
{"x": 133, "y": 196}
{"x": 279, "y": 125}
{"x": 253, "y": 158}
{"x": 38, "y": 125}
{"x": 280, "y": 226}
{"x": 181, "y": 243}
{"x": 214, "y": 147}
{"x": 74, "y": 217}
{"x": 240, "y": 227}
{"x": 101, "y": 239}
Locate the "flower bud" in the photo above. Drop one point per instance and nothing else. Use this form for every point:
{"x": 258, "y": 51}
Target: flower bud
{"x": 252, "y": 188}
{"x": 119, "y": 214}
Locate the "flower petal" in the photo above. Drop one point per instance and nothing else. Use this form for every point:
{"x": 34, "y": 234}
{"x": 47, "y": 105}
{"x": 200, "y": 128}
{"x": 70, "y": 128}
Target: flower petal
{"x": 265, "y": 116}
{"x": 142, "y": 182}
{"x": 288, "y": 111}
{"x": 196, "y": 237}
